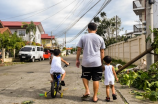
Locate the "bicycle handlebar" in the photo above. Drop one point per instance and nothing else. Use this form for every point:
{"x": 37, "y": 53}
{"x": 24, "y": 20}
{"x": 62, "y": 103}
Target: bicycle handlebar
{"x": 66, "y": 65}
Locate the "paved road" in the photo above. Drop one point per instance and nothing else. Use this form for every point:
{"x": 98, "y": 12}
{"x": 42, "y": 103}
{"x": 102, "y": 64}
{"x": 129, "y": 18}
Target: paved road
{"x": 26, "y": 81}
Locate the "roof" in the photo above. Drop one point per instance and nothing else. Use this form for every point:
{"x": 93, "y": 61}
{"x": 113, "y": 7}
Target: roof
{"x": 129, "y": 33}
{"x": 68, "y": 48}
{"x": 17, "y": 23}
{"x": 46, "y": 36}
{"x": 2, "y": 30}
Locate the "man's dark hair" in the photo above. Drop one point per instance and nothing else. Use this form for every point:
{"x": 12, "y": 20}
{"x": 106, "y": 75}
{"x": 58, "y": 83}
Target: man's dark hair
{"x": 107, "y": 59}
{"x": 92, "y": 26}
{"x": 56, "y": 52}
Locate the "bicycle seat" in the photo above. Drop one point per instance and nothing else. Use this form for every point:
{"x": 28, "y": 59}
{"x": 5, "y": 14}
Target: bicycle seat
{"x": 56, "y": 73}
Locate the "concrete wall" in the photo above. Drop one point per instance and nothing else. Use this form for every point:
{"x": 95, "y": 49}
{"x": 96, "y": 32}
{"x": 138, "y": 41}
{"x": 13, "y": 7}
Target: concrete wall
{"x": 126, "y": 51}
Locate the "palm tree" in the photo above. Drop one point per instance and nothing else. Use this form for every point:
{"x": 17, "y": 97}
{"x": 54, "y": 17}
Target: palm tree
{"x": 102, "y": 14}
{"x": 30, "y": 28}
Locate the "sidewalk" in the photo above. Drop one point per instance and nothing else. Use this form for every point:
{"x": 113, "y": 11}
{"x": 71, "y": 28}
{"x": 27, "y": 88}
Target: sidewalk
{"x": 124, "y": 92}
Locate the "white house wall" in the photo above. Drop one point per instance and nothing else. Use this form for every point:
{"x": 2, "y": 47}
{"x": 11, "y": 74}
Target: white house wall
{"x": 26, "y": 37}
{"x": 38, "y": 35}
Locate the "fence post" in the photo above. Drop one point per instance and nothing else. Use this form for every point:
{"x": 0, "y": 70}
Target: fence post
{"x": 3, "y": 54}
{"x": 129, "y": 50}
{"x": 14, "y": 52}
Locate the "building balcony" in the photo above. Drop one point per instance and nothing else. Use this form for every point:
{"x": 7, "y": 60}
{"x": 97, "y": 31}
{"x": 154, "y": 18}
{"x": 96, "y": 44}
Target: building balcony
{"x": 140, "y": 18}
{"x": 138, "y": 7}
{"x": 137, "y": 29}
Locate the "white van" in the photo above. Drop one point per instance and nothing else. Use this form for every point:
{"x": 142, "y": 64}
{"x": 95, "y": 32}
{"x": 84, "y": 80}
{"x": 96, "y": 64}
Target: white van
{"x": 31, "y": 53}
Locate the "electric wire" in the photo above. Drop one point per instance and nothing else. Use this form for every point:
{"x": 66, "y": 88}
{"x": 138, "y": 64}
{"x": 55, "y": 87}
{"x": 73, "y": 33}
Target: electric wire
{"x": 72, "y": 22}
{"x": 78, "y": 19}
{"x": 73, "y": 10}
{"x": 103, "y": 6}
{"x": 36, "y": 12}
{"x": 58, "y": 11}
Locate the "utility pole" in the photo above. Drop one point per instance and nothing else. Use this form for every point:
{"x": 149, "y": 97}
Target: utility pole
{"x": 65, "y": 39}
{"x": 51, "y": 40}
{"x": 116, "y": 27}
{"x": 149, "y": 22}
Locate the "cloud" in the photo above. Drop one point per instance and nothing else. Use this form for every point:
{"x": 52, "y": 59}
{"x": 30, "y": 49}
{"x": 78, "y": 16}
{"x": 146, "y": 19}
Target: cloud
{"x": 11, "y": 8}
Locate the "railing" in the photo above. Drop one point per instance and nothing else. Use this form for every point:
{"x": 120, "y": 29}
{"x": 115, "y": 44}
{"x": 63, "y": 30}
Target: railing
{"x": 140, "y": 17}
{"x": 138, "y": 4}
{"x": 137, "y": 28}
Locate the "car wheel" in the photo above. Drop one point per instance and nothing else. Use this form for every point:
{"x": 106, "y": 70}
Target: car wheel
{"x": 33, "y": 59}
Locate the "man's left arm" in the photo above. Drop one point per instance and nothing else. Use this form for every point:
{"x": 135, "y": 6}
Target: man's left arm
{"x": 102, "y": 55}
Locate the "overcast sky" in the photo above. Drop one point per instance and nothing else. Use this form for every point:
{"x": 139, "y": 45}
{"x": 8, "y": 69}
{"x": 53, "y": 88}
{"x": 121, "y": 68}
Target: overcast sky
{"x": 53, "y": 13}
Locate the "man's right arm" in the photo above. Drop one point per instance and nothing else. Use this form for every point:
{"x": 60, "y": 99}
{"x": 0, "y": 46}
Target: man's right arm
{"x": 78, "y": 56}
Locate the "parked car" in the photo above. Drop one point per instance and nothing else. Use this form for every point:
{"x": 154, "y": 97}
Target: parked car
{"x": 46, "y": 54}
{"x": 31, "y": 53}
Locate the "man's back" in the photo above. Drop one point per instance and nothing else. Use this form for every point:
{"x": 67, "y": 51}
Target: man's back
{"x": 91, "y": 44}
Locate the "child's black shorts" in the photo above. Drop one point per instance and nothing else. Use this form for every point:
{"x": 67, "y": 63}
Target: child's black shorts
{"x": 92, "y": 72}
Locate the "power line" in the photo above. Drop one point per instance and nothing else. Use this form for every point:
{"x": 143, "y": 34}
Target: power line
{"x": 73, "y": 10}
{"x": 103, "y": 6}
{"x": 58, "y": 11}
{"x": 79, "y": 19}
{"x": 82, "y": 10}
{"x": 34, "y": 12}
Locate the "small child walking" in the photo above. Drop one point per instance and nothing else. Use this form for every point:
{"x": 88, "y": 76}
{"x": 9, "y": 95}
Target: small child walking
{"x": 109, "y": 73}
{"x": 56, "y": 66}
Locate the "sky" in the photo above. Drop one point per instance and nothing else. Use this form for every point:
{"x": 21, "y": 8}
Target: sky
{"x": 57, "y": 16}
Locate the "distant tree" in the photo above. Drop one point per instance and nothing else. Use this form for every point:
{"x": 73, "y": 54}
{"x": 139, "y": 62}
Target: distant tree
{"x": 30, "y": 28}
{"x": 107, "y": 27}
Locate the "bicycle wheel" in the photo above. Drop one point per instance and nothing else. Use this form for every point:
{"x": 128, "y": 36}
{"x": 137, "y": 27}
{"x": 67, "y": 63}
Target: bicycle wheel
{"x": 54, "y": 88}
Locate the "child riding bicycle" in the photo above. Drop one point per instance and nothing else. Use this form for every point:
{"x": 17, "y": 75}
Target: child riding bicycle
{"x": 56, "y": 67}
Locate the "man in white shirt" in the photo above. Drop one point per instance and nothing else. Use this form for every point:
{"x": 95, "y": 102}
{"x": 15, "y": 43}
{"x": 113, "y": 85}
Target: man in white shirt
{"x": 93, "y": 53}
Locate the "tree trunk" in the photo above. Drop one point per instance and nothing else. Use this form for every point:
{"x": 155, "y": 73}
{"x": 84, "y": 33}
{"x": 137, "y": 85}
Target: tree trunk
{"x": 135, "y": 59}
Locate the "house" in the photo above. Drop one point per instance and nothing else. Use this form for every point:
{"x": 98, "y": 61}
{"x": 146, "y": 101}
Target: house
{"x": 15, "y": 26}
{"x": 129, "y": 34}
{"x": 4, "y": 29}
{"x": 47, "y": 40}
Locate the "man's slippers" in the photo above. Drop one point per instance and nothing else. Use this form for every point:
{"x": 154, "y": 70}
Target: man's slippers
{"x": 96, "y": 100}
{"x": 85, "y": 97}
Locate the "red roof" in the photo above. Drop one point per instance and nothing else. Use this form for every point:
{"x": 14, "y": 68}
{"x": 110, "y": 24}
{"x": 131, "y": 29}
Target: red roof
{"x": 68, "y": 48}
{"x": 16, "y": 23}
{"x": 46, "y": 36}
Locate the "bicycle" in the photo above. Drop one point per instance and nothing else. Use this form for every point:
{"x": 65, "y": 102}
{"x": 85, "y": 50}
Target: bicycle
{"x": 55, "y": 85}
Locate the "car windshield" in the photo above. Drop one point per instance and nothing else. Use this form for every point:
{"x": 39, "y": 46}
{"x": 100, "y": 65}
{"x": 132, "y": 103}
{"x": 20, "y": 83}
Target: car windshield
{"x": 26, "y": 49}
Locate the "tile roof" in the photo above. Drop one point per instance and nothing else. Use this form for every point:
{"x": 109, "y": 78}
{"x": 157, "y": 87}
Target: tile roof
{"x": 17, "y": 23}
{"x": 46, "y": 36}
{"x": 68, "y": 48}
{"x": 2, "y": 30}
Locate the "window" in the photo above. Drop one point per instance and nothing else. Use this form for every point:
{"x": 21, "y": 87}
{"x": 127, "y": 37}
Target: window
{"x": 47, "y": 41}
{"x": 33, "y": 49}
{"x": 41, "y": 49}
{"x": 38, "y": 48}
{"x": 26, "y": 49}
{"x": 22, "y": 32}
